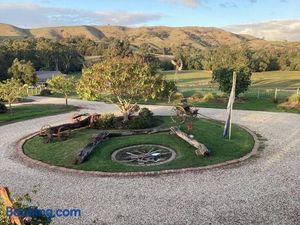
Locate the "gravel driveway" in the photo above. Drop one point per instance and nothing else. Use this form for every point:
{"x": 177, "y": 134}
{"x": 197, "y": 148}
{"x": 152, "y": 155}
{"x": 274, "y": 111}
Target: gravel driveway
{"x": 265, "y": 190}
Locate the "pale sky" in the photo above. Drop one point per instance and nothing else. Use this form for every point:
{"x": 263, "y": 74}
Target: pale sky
{"x": 272, "y": 19}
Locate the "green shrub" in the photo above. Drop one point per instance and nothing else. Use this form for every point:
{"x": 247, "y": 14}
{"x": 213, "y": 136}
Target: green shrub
{"x": 45, "y": 92}
{"x": 3, "y": 108}
{"x": 208, "y": 97}
{"x": 196, "y": 97}
{"x": 167, "y": 87}
{"x": 222, "y": 95}
{"x": 144, "y": 120}
{"x": 177, "y": 97}
{"x": 3, "y": 218}
{"x": 146, "y": 113}
{"x": 295, "y": 98}
{"x": 106, "y": 121}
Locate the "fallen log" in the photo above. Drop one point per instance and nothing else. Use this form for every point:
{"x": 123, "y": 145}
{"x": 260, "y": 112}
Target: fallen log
{"x": 71, "y": 126}
{"x": 143, "y": 131}
{"x": 4, "y": 193}
{"x": 88, "y": 149}
{"x": 201, "y": 149}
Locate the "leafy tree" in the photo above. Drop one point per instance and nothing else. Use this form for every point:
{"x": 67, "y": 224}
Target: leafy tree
{"x": 145, "y": 53}
{"x": 10, "y": 90}
{"x": 223, "y": 76}
{"x": 119, "y": 48}
{"x": 23, "y": 71}
{"x": 62, "y": 84}
{"x": 121, "y": 80}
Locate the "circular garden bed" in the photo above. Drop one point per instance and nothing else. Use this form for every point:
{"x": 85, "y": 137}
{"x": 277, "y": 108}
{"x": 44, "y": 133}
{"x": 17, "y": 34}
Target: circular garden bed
{"x": 208, "y": 132}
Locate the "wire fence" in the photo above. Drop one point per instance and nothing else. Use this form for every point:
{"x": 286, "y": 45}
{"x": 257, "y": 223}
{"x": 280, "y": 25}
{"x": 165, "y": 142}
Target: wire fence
{"x": 259, "y": 93}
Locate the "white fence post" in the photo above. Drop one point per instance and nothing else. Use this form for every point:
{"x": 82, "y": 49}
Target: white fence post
{"x": 275, "y": 97}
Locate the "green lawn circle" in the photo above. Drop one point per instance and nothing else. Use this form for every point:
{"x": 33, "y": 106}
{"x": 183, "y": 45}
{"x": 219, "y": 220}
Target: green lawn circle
{"x": 208, "y": 132}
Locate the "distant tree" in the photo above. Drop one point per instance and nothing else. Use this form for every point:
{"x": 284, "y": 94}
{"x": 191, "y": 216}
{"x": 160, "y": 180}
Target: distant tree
{"x": 10, "y": 90}
{"x": 147, "y": 57}
{"x": 223, "y": 76}
{"x": 119, "y": 48}
{"x": 62, "y": 85}
{"x": 120, "y": 80}
{"x": 23, "y": 71}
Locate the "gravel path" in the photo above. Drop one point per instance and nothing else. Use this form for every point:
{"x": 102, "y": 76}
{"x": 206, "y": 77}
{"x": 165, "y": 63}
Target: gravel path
{"x": 265, "y": 190}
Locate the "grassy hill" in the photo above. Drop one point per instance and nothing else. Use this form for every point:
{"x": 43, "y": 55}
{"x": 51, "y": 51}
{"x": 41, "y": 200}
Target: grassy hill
{"x": 10, "y": 31}
{"x": 200, "y": 37}
{"x": 158, "y": 37}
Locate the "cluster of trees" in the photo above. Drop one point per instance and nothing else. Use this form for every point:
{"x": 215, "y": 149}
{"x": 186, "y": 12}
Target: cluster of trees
{"x": 257, "y": 60}
{"x": 125, "y": 74}
{"x": 44, "y": 54}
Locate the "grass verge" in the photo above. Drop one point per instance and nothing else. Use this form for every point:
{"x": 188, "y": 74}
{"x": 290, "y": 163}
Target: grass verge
{"x": 26, "y": 112}
{"x": 208, "y": 132}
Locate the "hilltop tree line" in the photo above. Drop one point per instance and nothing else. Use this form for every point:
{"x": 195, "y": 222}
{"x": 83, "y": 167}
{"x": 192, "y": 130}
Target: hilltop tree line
{"x": 258, "y": 60}
{"x": 236, "y": 57}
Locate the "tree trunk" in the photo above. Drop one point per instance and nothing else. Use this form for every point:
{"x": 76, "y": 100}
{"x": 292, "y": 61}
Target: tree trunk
{"x": 66, "y": 98}
{"x": 125, "y": 116}
{"x": 10, "y": 108}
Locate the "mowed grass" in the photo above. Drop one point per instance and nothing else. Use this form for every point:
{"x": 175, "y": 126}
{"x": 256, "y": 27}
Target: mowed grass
{"x": 260, "y": 95}
{"x": 262, "y": 80}
{"x": 26, "y": 112}
{"x": 208, "y": 132}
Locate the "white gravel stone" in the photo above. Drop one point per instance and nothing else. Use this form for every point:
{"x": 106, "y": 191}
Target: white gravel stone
{"x": 264, "y": 190}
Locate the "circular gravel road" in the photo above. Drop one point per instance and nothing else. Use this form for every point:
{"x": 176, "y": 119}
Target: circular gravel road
{"x": 264, "y": 190}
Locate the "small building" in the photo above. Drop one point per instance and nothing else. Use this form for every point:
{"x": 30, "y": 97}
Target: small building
{"x": 43, "y": 76}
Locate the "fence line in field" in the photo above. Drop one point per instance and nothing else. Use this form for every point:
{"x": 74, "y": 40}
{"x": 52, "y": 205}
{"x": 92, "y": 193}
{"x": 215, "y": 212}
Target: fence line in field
{"x": 30, "y": 91}
{"x": 255, "y": 92}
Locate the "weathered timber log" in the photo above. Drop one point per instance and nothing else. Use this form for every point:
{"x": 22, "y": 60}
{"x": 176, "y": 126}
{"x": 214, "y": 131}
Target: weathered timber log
{"x": 63, "y": 131}
{"x": 201, "y": 149}
{"x": 71, "y": 126}
{"x": 78, "y": 117}
{"x": 144, "y": 131}
{"x": 87, "y": 150}
{"x": 4, "y": 193}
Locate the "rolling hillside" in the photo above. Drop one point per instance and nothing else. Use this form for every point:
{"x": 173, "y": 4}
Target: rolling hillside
{"x": 158, "y": 37}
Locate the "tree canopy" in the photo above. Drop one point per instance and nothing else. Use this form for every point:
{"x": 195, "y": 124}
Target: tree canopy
{"x": 223, "y": 76}
{"x": 122, "y": 80}
{"x": 23, "y": 71}
{"x": 10, "y": 90}
{"x": 62, "y": 84}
